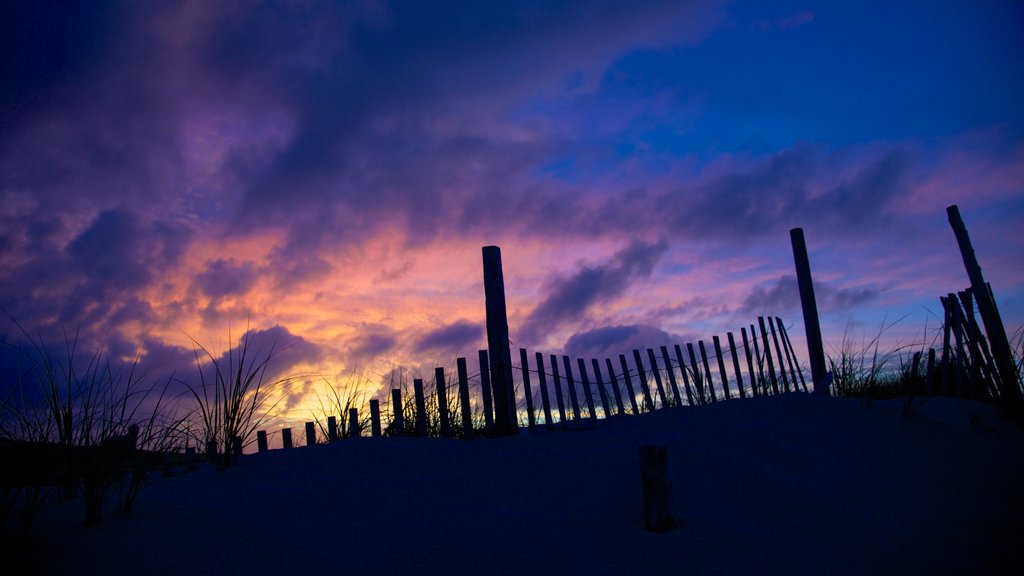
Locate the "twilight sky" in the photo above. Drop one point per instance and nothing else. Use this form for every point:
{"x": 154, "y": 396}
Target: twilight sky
{"x": 333, "y": 169}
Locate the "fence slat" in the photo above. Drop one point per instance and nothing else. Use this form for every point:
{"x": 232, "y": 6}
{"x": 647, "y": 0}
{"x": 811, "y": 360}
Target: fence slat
{"x": 707, "y": 370}
{"x": 642, "y": 376}
{"x": 442, "y": 402}
{"x": 354, "y": 429}
{"x": 620, "y": 409}
{"x": 558, "y": 389}
{"x": 467, "y": 410}
{"x": 310, "y": 434}
{"x": 261, "y": 441}
{"x": 656, "y": 372}
{"x": 421, "y": 407}
{"x": 375, "y": 418}
{"x": 736, "y": 365}
{"x": 686, "y": 378}
{"x": 768, "y": 355}
{"x": 527, "y": 389}
{"x": 286, "y": 438}
{"x": 721, "y": 366}
{"x": 545, "y": 400}
{"x": 570, "y": 382}
{"x": 762, "y": 381}
{"x": 332, "y": 428}
{"x": 698, "y": 378}
{"x": 778, "y": 354}
{"x": 600, "y": 388}
{"x": 671, "y": 376}
{"x": 588, "y": 394}
{"x": 629, "y": 384}
{"x": 795, "y": 362}
{"x": 485, "y": 391}
{"x": 397, "y": 418}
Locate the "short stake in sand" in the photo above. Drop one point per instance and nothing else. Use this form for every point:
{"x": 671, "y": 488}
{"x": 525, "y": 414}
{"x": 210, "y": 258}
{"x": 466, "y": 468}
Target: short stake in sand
{"x": 657, "y": 488}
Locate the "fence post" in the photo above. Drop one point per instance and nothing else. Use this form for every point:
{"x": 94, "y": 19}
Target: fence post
{"x": 527, "y": 389}
{"x": 686, "y": 378}
{"x": 310, "y": 434}
{"x": 544, "y": 399}
{"x": 794, "y": 362}
{"x": 587, "y": 393}
{"x": 442, "y": 402}
{"x": 485, "y": 391}
{"x": 421, "y": 407}
{"x": 467, "y": 410}
{"x": 815, "y": 348}
{"x": 620, "y": 409}
{"x": 375, "y": 418}
{"x": 354, "y": 429}
{"x": 397, "y": 419}
{"x": 600, "y": 388}
{"x": 760, "y": 362}
{"x": 286, "y": 438}
{"x": 498, "y": 342}
{"x": 736, "y": 364}
{"x": 657, "y": 377}
{"x": 261, "y": 441}
{"x": 642, "y": 376}
{"x": 657, "y": 488}
{"x": 332, "y": 428}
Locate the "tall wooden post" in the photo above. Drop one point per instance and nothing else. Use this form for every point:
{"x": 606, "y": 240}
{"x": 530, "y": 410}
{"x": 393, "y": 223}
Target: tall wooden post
{"x": 815, "y": 347}
{"x": 498, "y": 343}
{"x": 467, "y": 410}
{"x": 1009, "y": 380}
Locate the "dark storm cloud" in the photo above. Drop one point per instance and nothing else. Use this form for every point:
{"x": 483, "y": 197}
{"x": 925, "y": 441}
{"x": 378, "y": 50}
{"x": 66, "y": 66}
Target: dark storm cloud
{"x": 567, "y": 299}
{"x": 610, "y": 341}
{"x": 784, "y": 296}
{"x": 226, "y": 277}
{"x": 371, "y": 342}
{"x": 457, "y": 336}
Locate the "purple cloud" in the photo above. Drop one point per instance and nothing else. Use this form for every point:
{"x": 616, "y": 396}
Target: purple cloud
{"x": 459, "y": 335}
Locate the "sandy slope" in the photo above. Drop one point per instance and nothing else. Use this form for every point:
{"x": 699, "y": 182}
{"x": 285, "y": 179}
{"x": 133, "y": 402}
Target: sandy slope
{"x": 786, "y": 485}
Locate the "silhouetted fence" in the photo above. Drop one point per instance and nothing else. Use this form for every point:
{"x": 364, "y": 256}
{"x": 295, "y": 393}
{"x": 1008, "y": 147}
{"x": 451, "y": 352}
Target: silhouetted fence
{"x": 552, "y": 391}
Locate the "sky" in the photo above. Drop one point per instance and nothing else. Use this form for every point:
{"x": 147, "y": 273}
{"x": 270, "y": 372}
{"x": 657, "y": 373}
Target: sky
{"x": 324, "y": 175}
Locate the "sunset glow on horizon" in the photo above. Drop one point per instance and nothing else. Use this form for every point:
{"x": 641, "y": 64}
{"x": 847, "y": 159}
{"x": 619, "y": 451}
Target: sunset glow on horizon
{"x": 328, "y": 173}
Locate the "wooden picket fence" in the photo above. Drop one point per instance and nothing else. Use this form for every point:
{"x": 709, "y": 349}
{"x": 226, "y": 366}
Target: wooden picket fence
{"x": 553, "y": 392}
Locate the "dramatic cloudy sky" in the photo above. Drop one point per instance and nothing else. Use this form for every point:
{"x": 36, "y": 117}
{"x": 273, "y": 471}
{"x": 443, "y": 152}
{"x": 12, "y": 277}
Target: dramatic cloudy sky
{"x": 331, "y": 170}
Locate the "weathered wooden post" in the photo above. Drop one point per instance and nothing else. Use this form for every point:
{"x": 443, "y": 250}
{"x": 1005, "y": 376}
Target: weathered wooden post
{"x": 261, "y": 441}
{"x": 467, "y": 410}
{"x": 397, "y": 420}
{"x": 354, "y": 429}
{"x": 421, "y": 407}
{"x": 498, "y": 343}
{"x": 657, "y": 488}
{"x": 485, "y": 391}
{"x": 375, "y": 418}
{"x": 815, "y": 347}
{"x": 286, "y": 438}
{"x": 442, "y": 402}
{"x": 527, "y": 390}
{"x": 545, "y": 400}
{"x": 332, "y": 428}
{"x": 310, "y": 434}
{"x": 1009, "y": 378}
